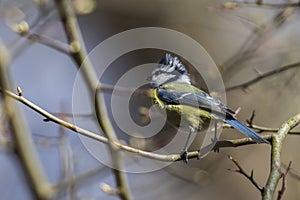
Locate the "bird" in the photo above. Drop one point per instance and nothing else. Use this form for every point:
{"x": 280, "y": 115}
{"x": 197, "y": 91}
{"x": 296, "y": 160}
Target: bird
{"x": 173, "y": 91}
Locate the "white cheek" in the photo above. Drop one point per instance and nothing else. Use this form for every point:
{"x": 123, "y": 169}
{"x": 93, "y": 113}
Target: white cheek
{"x": 171, "y": 69}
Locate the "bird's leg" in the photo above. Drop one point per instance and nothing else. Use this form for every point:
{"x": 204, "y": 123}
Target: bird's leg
{"x": 184, "y": 154}
{"x": 216, "y": 131}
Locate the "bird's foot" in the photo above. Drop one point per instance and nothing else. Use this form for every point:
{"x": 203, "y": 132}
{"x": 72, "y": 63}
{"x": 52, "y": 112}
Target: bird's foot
{"x": 184, "y": 156}
{"x": 198, "y": 156}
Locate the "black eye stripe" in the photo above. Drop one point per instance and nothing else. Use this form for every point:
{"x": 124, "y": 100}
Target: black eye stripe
{"x": 169, "y": 69}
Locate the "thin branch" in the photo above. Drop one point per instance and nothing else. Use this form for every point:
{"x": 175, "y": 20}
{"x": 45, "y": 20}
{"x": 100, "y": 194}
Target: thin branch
{"x": 292, "y": 172}
{"x": 284, "y": 180}
{"x": 260, "y": 129}
{"x": 259, "y": 3}
{"x": 277, "y": 141}
{"x": 262, "y": 76}
{"x": 90, "y": 134}
{"x": 250, "y": 121}
{"x": 95, "y": 136}
{"x": 21, "y": 135}
{"x": 242, "y": 171}
{"x": 237, "y": 142}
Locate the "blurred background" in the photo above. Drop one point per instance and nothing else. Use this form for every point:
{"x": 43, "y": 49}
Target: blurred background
{"x": 244, "y": 40}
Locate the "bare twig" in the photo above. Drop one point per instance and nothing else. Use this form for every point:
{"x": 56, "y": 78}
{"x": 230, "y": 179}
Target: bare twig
{"x": 262, "y": 76}
{"x": 242, "y": 171}
{"x": 237, "y": 142}
{"x": 97, "y": 137}
{"x": 260, "y": 3}
{"x": 292, "y": 172}
{"x": 261, "y": 129}
{"x": 284, "y": 177}
{"x": 90, "y": 134}
{"x": 277, "y": 141}
{"x": 250, "y": 121}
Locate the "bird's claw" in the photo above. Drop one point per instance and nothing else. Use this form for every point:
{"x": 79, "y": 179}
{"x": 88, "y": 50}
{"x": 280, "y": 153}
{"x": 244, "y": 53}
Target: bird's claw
{"x": 184, "y": 157}
{"x": 198, "y": 156}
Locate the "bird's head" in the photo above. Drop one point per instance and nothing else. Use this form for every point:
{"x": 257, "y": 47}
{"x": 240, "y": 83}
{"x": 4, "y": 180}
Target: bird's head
{"x": 169, "y": 70}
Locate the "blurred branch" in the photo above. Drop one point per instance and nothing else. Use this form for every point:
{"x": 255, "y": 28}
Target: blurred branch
{"x": 80, "y": 56}
{"x": 66, "y": 155}
{"x": 78, "y": 179}
{"x": 18, "y": 46}
{"x": 23, "y": 29}
{"x": 23, "y": 142}
{"x": 117, "y": 163}
{"x": 277, "y": 141}
{"x": 245, "y": 85}
{"x": 242, "y": 171}
{"x": 259, "y": 36}
{"x": 47, "y": 41}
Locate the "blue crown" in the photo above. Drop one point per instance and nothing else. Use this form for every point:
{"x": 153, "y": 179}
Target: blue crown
{"x": 170, "y": 61}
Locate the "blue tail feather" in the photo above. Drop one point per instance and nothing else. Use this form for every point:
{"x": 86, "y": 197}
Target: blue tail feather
{"x": 245, "y": 130}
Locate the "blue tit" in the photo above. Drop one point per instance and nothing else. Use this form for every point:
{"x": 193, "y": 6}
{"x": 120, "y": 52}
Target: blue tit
{"x": 173, "y": 91}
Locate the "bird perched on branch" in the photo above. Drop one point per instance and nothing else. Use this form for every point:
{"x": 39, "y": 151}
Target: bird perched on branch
{"x": 173, "y": 91}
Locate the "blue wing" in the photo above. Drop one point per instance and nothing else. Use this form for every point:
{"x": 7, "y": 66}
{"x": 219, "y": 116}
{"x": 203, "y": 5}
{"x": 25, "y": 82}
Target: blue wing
{"x": 185, "y": 94}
